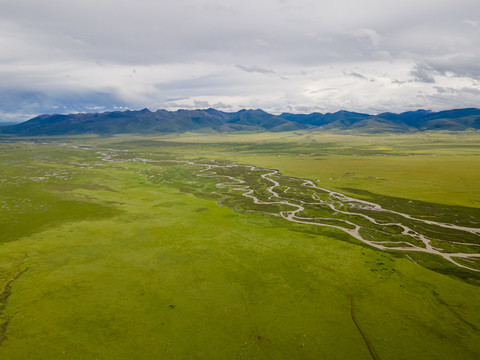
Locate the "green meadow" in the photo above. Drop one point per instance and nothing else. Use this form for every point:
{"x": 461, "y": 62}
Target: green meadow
{"x": 128, "y": 248}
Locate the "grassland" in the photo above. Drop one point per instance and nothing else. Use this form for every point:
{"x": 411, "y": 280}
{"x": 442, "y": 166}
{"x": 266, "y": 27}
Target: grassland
{"x": 110, "y": 249}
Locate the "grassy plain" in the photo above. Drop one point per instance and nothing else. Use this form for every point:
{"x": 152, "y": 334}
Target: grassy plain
{"x": 438, "y": 167}
{"x": 122, "y": 260}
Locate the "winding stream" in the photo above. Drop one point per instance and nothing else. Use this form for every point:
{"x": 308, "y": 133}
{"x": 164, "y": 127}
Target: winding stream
{"x": 335, "y": 203}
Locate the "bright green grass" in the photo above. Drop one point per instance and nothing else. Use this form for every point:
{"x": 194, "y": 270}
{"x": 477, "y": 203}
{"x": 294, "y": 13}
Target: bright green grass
{"x": 159, "y": 273}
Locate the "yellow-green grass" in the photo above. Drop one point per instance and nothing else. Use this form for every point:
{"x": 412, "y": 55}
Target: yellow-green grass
{"x": 436, "y": 167}
{"x": 423, "y": 141}
{"x": 450, "y": 180}
{"x": 165, "y": 274}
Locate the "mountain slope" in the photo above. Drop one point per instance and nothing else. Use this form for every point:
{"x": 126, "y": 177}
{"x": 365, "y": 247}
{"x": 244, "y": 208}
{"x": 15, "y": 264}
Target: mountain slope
{"x": 163, "y": 121}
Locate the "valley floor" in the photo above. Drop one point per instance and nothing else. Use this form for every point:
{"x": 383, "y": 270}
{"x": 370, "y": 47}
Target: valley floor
{"x": 169, "y": 247}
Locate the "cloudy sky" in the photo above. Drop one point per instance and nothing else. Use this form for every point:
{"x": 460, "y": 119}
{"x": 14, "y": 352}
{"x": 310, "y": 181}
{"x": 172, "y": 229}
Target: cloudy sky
{"x": 61, "y": 56}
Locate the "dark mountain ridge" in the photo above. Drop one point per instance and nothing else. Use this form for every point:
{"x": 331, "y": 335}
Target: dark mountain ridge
{"x": 163, "y": 121}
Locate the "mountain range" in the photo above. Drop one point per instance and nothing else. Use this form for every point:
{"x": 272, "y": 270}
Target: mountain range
{"x": 208, "y": 120}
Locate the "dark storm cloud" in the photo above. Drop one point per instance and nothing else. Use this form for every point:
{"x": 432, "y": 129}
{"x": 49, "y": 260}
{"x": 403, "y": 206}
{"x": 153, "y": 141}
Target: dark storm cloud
{"x": 254, "y": 68}
{"x": 355, "y": 74}
{"x": 460, "y": 65}
{"x": 423, "y": 73}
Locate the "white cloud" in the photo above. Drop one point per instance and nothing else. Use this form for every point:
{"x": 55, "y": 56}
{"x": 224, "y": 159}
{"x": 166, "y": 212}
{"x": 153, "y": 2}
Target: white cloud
{"x": 472, "y": 23}
{"x": 348, "y": 54}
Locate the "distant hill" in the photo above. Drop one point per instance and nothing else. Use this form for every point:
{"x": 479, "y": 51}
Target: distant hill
{"x": 7, "y": 123}
{"x": 163, "y": 121}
